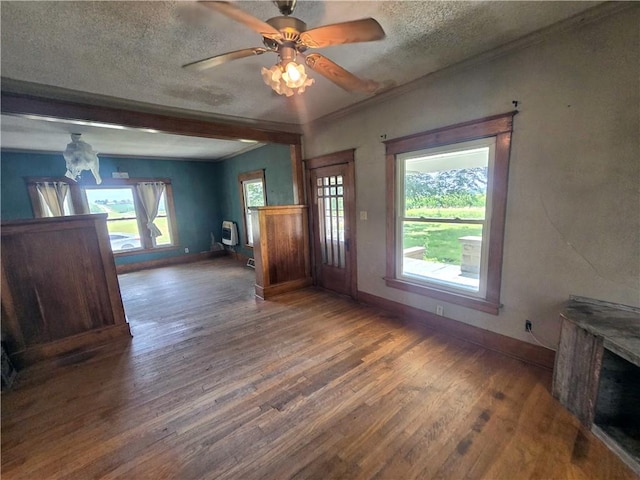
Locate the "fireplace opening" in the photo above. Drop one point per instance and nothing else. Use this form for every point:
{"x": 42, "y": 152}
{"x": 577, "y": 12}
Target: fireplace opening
{"x": 618, "y": 405}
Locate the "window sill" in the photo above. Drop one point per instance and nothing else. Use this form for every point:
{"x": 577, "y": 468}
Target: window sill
{"x": 455, "y": 298}
{"x": 140, "y": 251}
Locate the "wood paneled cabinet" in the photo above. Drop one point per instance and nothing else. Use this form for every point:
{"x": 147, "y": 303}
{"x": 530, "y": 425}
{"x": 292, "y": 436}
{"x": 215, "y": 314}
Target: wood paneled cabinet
{"x": 281, "y": 249}
{"x": 60, "y": 291}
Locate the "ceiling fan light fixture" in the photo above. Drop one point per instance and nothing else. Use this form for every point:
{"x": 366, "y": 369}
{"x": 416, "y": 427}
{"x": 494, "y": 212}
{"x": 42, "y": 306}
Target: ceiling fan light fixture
{"x": 289, "y": 37}
{"x": 287, "y": 80}
{"x": 294, "y": 75}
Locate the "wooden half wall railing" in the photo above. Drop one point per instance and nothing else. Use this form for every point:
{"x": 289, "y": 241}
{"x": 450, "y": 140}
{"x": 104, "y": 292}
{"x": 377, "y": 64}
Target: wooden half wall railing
{"x": 60, "y": 291}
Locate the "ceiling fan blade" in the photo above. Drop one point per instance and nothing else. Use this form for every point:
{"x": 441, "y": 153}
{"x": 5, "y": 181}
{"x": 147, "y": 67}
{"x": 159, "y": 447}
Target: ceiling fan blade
{"x": 364, "y": 30}
{"x": 255, "y": 24}
{"x": 225, "y": 57}
{"x": 338, "y": 75}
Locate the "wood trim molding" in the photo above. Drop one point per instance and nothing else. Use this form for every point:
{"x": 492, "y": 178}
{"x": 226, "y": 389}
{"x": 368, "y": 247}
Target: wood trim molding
{"x": 498, "y": 184}
{"x": 19, "y": 104}
{"x": 344, "y": 156}
{"x": 297, "y": 173}
{"x": 451, "y": 297}
{"x": 163, "y": 262}
{"x": 499, "y": 126}
{"x": 527, "y": 352}
{"x": 460, "y": 132}
{"x": 390, "y": 197}
{"x": 252, "y": 175}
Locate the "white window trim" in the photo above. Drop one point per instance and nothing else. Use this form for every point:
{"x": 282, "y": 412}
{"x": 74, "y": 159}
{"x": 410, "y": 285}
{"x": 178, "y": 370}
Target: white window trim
{"x": 400, "y": 217}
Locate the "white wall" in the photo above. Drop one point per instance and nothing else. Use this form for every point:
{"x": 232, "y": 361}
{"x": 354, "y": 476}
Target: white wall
{"x": 573, "y": 214}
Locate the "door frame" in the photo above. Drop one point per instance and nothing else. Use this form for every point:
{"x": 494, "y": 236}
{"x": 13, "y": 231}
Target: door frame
{"x": 346, "y": 157}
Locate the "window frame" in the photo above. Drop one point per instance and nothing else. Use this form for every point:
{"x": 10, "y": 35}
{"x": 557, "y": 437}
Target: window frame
{"x": 137, "y": 206}
{"x": 75, "y": 195}
{"x": 498, "y": 126}
{"x": 81, "y": 206}
{"x": 486, "y": 142}
{"x": 249, "y": 177}
{"x": 145, "y": 235}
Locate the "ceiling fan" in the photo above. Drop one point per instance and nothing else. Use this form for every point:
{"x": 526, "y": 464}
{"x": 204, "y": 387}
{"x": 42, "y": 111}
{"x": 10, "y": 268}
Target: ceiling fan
{"x": 289, "y": 38}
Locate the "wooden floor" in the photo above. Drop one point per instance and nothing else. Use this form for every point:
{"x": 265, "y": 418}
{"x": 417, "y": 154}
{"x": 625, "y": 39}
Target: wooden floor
{"x": 216, "y": 384}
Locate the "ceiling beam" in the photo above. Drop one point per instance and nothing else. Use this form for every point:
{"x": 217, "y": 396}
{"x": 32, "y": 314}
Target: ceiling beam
{"x": 19, "y": 104}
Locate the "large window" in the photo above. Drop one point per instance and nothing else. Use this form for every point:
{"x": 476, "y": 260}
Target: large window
{"x": 140, "y": 213}
{"x": 137, "y": 214}
{"x": 252, "y": 193}
{"x": 446, "y": 214}
{"x": 122, "y": 221}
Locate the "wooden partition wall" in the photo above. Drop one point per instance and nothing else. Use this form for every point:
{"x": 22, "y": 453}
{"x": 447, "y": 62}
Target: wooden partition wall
{"x": 60, "y": 291}
{"x": 281, "y": 249}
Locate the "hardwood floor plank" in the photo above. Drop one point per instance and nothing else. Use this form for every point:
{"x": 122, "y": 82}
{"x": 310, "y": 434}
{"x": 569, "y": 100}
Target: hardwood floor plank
{"x": 217, "y": 384}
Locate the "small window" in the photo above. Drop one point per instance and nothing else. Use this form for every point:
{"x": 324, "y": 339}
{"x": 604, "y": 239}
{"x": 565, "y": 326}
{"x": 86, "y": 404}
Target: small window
{"x": 252, "y": 191}
{"x": 446, "y": 213}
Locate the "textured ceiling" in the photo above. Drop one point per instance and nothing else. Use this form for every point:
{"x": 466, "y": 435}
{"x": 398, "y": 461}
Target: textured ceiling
{"x": 134, "y": 50}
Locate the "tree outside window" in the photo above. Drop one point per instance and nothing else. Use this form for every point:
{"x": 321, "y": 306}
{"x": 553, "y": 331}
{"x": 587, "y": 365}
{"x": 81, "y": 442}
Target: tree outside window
{"x": 252, "y": 195}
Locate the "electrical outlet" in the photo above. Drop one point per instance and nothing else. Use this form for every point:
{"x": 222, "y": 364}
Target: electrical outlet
{"x": 186, "y": 250}
{"x": 527, "y": 326}
{"x": 439, "y": 310}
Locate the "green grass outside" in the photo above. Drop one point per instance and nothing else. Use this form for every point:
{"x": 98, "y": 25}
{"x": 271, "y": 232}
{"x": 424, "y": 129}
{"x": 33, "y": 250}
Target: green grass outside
{"x": 117, "y": 224}
{"x": 462, "y": 212}
{"x": 123, "y": 226}
{"x": 441, "y": 239}
{"x": 130, "y": 225}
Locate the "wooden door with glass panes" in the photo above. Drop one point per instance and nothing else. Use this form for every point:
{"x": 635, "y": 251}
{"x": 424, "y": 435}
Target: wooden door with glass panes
{"x": 332, "y": 212}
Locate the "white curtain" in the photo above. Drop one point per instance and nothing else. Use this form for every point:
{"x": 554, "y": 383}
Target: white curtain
{"x": 53, "y": 195}
{"x": 150, "y": 194}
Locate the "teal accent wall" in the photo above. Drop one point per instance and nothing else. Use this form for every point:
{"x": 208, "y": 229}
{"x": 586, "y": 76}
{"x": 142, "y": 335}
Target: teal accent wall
{"x": 195, "y": 192}
{"x": 205, "y": 193}
{"x": 14, "y": 199}
{"x": 276, "y": 162}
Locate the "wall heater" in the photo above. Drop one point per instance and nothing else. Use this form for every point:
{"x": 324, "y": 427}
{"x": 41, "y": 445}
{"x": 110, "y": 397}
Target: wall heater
{"x": 229, "y": 233}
